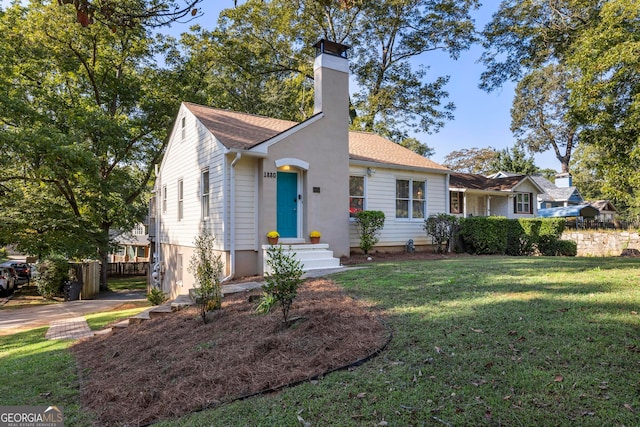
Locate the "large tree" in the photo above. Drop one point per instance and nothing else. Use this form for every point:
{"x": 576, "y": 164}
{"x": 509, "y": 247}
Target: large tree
{"x": 514, "y": 160}
{"x": 84, "y": 112}
{"x": 471, "y": 160}
{"x": 523, "y": 36}
{"x": 606, "y": 97}
{"x": 529, "y": 42}
{"x": 540, "y": 115}
{"x": 257, "y": 59}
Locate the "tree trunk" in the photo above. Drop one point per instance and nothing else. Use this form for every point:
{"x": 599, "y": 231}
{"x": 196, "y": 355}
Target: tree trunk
{"x": 104, "y": 264}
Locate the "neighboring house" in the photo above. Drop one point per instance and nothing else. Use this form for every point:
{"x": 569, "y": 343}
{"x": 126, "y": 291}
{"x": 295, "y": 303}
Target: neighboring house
{"x": 562, "y": 193}
{"x": 133, "y": 246}
{"x": 606, "y": 211}
{"x": 511, "y": 196}
{"x": 241, "y": 176}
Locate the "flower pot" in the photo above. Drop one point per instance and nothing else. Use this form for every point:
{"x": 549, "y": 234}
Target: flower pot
{"x": 272, "y": 240}
{"x": 315, "y": 240}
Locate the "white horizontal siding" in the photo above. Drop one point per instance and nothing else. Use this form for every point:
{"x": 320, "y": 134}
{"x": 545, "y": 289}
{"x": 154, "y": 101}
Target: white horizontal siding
{"x": 185, "y": 160}
{"x": 380, "y": 189}
{"x": 245, "y": 209}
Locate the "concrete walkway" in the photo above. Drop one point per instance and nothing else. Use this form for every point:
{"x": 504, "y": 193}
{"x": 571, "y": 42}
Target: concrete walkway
{"x": 66, "y": 320}
{"x": 20, "y": 319}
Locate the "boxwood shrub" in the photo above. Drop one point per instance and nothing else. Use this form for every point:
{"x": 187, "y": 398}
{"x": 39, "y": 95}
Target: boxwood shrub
{"x": 526, "y": 236}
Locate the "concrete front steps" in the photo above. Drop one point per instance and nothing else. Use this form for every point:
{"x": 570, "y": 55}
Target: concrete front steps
{"x": 312, "y": 256}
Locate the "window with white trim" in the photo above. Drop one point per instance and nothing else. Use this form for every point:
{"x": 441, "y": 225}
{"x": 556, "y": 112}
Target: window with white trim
{"x": 164, "y": 199}
{"x": 410, "y": 199}
{"x": 204, "y": 191}
{"x": 180, "y": 199}
{"x": 183, "y": 129}
{"x": 522, "y": 203}
{"x": 356, "y": 195}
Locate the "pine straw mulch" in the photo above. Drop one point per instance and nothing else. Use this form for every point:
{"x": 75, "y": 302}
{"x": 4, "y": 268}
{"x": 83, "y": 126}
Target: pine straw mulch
{"x": 174, "y": 365}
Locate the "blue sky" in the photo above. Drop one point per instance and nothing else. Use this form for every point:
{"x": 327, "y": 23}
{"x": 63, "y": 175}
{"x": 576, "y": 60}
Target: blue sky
{"x": 481, "y": 119}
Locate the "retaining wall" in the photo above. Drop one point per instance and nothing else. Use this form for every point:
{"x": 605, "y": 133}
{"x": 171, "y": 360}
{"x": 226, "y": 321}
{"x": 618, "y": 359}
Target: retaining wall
{"x": 599, "y": 243}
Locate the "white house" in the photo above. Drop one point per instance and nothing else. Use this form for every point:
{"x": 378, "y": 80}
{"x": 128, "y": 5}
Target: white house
{"x": 511, "y": 196}
{"x": 241, "y": 176}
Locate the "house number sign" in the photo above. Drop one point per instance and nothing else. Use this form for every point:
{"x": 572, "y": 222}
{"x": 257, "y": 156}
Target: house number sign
{"x": 270, "y": 174}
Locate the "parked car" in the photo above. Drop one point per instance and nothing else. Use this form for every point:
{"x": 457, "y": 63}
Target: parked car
{"x": 22, "y": 269}
{"x": 7, "y": 281}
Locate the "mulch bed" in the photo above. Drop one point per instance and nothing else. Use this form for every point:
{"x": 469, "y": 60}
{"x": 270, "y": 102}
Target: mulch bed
{"x": 174, "y": 365}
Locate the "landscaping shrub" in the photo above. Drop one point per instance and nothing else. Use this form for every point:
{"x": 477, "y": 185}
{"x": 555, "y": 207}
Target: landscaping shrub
{"x": 156, "y": 296}
{"x": 369, "y": 223}
{"x": 441, "y": 228}
{"x": 282, "y": 283}
{"x": 561, "y": 248}
{"x": 484, "y": 234}
{"x": 550, "y": 231}
{"x": 206, "y": 267}
{"x": 53, "y": 271}
{"x": 524, "y": 236}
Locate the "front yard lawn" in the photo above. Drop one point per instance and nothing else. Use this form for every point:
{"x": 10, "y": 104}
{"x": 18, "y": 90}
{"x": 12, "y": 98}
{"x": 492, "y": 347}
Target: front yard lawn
{"x": 476, "y": 341}
{"x": 479, "y": 341}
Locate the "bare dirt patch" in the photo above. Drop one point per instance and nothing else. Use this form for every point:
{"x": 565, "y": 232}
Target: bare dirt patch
{"x": 175, "y": 365}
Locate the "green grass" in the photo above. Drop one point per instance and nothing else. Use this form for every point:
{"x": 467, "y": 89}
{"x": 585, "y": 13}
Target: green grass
{"x": 479, "y": 341}
{"x": 100, "y": 320}
{"x": 36, "y": 371}
{"x": 476, "y": 341}
{"x": 127, "y": 283}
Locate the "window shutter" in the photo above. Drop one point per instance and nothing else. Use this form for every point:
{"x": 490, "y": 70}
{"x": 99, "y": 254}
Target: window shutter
{"x": 531, "y": 203}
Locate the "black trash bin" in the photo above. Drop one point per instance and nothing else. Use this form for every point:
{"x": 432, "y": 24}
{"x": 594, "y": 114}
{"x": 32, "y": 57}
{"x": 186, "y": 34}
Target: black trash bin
{"x": 74, "y": 291}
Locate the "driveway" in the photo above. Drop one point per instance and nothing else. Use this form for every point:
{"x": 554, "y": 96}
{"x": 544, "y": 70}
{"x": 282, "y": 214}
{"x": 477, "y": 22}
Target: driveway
{"x": 14, "y": 320}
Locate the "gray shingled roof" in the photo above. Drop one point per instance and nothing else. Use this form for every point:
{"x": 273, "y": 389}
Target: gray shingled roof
{"x": 553, "y": 193}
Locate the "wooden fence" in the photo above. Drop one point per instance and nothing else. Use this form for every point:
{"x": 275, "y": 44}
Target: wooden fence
{"x": 88, "y": 274}
{"x": 127, "y": 269}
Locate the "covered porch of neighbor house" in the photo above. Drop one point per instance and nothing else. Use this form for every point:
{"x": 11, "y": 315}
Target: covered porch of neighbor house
{"x": 466, "y": 203}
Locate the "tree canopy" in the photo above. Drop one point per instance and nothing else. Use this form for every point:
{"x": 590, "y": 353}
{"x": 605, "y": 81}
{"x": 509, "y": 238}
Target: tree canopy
{"x": 595, "y": 45}
{"x": 84, "y": 112}
{"x": 257, "y": 59}
{"x": 471, "y": 160}
{"x": 514, "y": 160}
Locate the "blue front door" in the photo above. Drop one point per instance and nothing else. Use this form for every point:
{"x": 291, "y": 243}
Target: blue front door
{"x": 287, "y": 204}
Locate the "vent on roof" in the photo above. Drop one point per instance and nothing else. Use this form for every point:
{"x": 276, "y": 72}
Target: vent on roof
{"x": 331, "y": 48}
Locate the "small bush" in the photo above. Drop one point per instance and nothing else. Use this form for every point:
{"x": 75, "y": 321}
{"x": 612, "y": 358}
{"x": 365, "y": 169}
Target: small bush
{"x": 441, "y": 228}
{"x": 369, "y": 223}
{"x": 206, "y": 267}
{"x": 52, "y": 273}
{"x": 156, "y": 296}
{"x": 283, "y": 281}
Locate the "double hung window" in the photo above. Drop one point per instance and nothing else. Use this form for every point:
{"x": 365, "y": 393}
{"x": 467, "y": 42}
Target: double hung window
{"x": 356, "y": 195}
{"x": 410, "y": 199}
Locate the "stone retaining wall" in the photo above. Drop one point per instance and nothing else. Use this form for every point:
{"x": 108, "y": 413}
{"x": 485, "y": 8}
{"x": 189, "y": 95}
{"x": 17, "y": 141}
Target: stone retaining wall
{"x": 599, "y": 243}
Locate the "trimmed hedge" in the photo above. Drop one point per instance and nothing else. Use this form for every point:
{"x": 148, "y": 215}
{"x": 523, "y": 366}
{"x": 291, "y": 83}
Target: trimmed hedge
{"x": 526, "y": 236}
